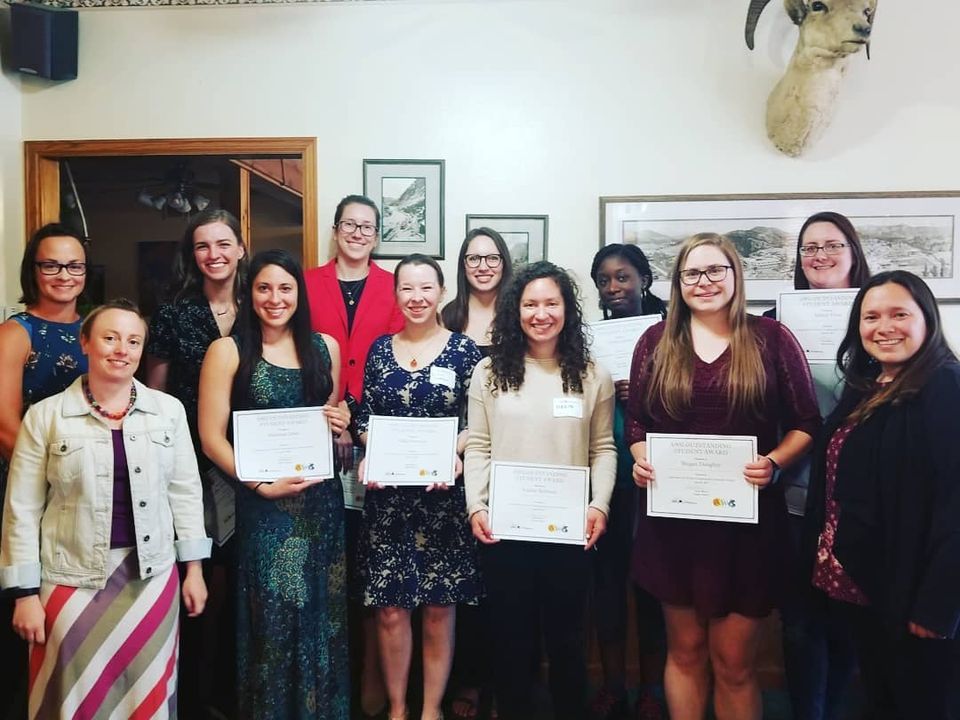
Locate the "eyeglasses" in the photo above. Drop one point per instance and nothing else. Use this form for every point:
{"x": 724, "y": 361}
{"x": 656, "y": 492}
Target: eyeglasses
{"x": 714, "y": 273}
{"x": 493, "y": 260}
{"x": 49, "y": 267}
{"x": 832, "y": 248}
{"x": 350, "y": 227}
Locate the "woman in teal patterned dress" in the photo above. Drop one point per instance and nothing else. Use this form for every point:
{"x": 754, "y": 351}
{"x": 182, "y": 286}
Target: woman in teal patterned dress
{"x": 416, "y": 549}
{"x": 39, "y": 356}
{"x": 291, "y": 577}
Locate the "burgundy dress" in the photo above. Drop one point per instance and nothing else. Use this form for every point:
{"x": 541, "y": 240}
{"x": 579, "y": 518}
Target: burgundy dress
{"x": 716, "y": 567}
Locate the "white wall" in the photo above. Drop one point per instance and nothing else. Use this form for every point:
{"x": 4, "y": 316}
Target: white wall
{"x": 538, "y": 106}
{"x": 11, "y": 174}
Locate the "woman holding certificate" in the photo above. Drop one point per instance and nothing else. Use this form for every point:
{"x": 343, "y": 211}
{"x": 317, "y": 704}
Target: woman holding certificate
{"x": 623, "y": 277}
{"x": 415, "y": 548}
{"x": 291, "y": 595}
{"x": 39, "y": 357}
{"x": 818, "y": 650}
{"x": 541, "y": 423}
{"x": 103, "y": 500}
{"x": 883, "y": 510}
{"x": 711, "y": 369}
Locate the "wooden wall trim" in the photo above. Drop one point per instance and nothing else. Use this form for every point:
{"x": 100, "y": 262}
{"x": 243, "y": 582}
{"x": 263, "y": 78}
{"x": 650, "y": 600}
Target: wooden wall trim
{"x": 42, "y": 172}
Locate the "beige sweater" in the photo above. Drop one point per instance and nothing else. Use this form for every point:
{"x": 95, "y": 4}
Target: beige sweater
{"x": 521, "y": 427}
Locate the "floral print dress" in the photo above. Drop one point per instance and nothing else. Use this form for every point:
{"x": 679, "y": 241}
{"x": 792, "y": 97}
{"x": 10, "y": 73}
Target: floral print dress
{"x": 416, "y": 547}
{"x": 291, "y": 587}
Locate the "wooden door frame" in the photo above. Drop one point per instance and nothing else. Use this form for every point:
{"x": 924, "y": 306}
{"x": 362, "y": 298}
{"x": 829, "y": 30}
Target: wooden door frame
{"x": 42, "y": 171}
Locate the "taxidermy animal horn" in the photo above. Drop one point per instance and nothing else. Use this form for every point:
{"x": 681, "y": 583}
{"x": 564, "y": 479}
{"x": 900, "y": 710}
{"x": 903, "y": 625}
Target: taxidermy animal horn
{"x": 753, "y": 16}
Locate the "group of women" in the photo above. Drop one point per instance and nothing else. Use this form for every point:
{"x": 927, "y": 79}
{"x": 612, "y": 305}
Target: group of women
{"x": 313, "y": 606}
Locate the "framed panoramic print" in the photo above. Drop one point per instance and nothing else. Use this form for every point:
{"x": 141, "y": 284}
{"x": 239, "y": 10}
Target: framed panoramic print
{"x": 409, "y": 194}
{"x": 525, "y": 235}
{"x": 915, "y": 231}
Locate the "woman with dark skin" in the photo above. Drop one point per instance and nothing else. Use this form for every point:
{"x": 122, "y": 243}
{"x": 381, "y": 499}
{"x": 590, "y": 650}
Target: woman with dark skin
{"x": 623, "y": 277}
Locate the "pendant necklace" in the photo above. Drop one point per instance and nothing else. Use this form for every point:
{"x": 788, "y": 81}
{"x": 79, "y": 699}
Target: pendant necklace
{"x": 352, "y": 288}
{"x": 103, "y": 411}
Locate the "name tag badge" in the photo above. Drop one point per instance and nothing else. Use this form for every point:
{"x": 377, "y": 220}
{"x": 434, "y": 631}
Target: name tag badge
{"x": 568, "y": 407}
{"x": 443, "y": 376}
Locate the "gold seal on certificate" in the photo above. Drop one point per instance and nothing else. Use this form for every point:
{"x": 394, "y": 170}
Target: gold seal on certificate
{"x": 818, "y": 318}
{"x": 539, "y": 503}
{"x": 411, "y": 450}
{"x": 288, "y": 442}
{"x": 700, "y": 477}
{"x": 613, "y": 342}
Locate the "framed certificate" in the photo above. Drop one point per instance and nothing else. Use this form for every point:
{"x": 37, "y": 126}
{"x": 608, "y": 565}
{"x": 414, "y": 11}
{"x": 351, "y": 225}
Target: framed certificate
{"x": 272, "y": 444}
{"x": 700, "y": 477}
{"x": 614, "y": 341}
{"x": 411, "y": 451}
{"x": 818, "y": 318}
{"x": 539, "y": 503}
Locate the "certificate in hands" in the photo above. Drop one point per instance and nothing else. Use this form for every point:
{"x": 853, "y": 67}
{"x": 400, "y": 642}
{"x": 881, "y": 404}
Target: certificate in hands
{"x": 614, "y": 341}
{"x": 412, "y": 450}
{"x": 700, "y": 477}
{"x": 539, "y": 503}
{"x": 288, "y": 442}
{"x": 818, "y": 318}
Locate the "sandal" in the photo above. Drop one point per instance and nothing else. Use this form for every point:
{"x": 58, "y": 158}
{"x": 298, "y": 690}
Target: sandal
{"x": 469, "y": 707}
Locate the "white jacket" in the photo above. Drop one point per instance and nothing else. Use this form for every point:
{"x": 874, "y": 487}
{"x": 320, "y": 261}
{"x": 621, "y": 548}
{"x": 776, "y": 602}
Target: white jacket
{"x": 58, "y": 508}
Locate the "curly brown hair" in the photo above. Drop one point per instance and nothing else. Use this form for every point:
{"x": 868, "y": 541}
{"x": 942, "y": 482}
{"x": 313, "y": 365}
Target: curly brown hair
{"x": 509, "y": 342}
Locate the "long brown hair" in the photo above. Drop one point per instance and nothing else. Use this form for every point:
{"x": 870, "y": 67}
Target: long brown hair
{"x": 671, "y": 379}
{"x": 860, "y": 371}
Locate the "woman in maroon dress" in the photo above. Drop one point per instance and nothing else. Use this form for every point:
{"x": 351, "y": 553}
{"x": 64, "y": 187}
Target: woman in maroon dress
{"x": 710, "y": 368}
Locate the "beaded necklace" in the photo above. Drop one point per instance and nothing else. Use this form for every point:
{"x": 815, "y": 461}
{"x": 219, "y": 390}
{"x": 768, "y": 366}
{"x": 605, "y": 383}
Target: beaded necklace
{"x": 99, "y": 408}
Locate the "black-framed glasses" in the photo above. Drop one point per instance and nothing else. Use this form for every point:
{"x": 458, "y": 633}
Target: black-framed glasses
{"x": 714, "y": 273}
{"x": 50, "y": 267}
{"x": 492, "y": 260}
{"x": 831, "y": 248}
{"x": 350, "y": 227}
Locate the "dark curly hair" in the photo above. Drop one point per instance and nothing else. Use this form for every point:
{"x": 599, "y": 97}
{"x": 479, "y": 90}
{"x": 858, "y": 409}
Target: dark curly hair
{"x": 509, "y": 343}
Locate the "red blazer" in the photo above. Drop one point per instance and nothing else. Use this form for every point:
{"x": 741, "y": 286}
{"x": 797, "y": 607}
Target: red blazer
{"x": 377, "y": 314}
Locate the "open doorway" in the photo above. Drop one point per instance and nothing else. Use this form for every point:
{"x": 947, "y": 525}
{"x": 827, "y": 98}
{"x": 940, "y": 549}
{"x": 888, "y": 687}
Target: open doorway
{"x": 136, "y": 197}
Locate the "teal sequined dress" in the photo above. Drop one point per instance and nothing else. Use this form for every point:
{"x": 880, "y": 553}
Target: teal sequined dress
{"x": 291, "y": 587}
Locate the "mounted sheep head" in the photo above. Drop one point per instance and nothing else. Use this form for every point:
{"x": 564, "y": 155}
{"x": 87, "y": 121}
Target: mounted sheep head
{"x": 800, "y": 106}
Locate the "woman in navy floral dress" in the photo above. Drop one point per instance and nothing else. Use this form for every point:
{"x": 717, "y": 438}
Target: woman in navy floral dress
{"x": 416, "y": 549}
{"x": 39, "y": 356}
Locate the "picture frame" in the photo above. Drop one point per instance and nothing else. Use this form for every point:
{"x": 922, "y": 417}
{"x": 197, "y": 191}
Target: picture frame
{"x": 409, "y": 194}
{"x": 915, "y": 231}
{"x": 525, "y": 235}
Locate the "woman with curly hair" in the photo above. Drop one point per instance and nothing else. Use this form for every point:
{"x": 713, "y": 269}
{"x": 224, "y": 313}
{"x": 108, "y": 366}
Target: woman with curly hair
{"x": 712, "y": 369}
{"x": 539, "y": 357}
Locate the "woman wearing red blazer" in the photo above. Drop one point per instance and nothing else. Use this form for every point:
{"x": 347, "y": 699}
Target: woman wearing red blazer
{"x": 352, "y": 300}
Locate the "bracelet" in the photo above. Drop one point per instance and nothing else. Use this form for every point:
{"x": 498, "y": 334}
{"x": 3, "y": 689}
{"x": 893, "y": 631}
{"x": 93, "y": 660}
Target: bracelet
{"x": 257, "y": 486}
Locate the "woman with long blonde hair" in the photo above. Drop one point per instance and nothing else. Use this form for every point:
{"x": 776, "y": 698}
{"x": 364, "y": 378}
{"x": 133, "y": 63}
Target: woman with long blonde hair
{"x": 712, "y": 369}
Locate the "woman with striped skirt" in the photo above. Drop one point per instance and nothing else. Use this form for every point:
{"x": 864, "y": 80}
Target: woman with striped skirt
{"x": 103, "y": 478}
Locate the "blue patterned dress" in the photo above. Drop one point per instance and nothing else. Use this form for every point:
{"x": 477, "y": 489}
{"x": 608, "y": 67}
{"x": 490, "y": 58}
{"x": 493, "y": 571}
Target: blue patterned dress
{"x": 291, "y": 587}
{"x": 416, "y": 547}
{"x": 55, "y": 361}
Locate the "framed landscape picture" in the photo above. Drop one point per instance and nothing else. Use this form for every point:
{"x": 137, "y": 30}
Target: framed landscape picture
{"x": 915, "y": 231}
{"x": 525, "y": 235}
{"x": 409, "y": 194}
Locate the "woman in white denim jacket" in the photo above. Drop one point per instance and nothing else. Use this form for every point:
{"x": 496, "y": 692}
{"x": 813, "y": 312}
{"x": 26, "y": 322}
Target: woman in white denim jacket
{"x": 103, "y": 496}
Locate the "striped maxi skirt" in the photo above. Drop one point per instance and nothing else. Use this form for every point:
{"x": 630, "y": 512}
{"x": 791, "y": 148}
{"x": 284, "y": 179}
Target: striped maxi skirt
{"x": 109, "y": 653}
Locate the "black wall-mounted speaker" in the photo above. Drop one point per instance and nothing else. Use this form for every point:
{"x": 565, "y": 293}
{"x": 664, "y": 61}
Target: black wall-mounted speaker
{"x": 44, "y": 41}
